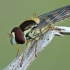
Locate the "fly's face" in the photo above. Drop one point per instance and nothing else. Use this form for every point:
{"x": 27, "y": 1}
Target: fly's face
{"x": 17, "y": 36}
{"x": 12, "y": 38}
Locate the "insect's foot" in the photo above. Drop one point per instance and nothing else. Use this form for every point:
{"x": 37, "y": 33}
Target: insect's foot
{"x": 56, "y": 29}
{"x": 16, "y": 55}
{"x": 21, "y": 61}
{"x": 20, "y": 64}
{"x": 36, "y": 55}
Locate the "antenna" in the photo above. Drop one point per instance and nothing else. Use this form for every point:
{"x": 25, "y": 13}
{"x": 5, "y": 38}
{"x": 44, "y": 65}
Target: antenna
{"x": 8, "y": 34}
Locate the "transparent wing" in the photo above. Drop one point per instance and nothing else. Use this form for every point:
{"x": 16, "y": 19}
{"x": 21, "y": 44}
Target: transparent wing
{"x": 54, "y": 16}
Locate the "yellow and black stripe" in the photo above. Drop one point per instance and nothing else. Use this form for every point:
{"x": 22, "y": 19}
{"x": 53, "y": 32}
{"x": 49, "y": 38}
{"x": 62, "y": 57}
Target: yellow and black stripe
{"x": 28, "y": 23}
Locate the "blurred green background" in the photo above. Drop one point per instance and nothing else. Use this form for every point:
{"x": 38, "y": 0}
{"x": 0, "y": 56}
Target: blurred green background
{"x": 12, "y": 12}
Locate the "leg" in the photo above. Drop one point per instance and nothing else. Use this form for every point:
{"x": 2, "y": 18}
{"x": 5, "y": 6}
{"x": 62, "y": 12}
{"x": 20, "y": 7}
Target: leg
{"x": 18, "y": 50}
{"x": 45, "y": 29}
{"x": 35, "y": 49}
{"x": 56, "y": 29}
{"x": 37, "y": 38}
{"x": 27, "y": 46}
{"x": 42, "y": 31}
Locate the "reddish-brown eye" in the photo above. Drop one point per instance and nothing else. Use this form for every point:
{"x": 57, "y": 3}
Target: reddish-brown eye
{"x": 19, "y": 35}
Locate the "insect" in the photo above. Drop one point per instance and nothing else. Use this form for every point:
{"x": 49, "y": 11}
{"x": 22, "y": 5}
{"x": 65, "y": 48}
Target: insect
{"x": 35, "y": 27}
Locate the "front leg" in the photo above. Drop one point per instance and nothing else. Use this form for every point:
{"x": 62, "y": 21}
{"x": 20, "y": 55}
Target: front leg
{"x": 18, "y": 50}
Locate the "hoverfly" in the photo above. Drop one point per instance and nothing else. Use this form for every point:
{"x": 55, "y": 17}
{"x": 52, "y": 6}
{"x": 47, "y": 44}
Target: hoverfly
{"x": 34, "y": 28}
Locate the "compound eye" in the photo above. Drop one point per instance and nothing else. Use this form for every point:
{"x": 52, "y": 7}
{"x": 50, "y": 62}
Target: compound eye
{"x": 19, "y": 36}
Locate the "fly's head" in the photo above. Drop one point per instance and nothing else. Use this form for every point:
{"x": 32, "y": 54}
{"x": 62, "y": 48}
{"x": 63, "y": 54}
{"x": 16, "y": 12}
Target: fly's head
{"x": 17, "y": 36}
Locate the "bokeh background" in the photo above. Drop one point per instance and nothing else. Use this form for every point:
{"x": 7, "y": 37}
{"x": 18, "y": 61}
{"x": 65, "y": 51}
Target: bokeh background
{"x": 12, "y": 12}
